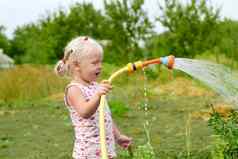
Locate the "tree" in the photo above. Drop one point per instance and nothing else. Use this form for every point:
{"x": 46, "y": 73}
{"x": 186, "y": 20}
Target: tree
{"x": 192, "y": 26}
{"x": 128, "y": 26}
{"x": 228, "y": 44}
{"x": 4, "y": 42}
{"x": 28, "y": 46}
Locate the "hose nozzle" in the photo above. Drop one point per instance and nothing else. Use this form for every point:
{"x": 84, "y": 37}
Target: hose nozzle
{"x": 167, "y": 61}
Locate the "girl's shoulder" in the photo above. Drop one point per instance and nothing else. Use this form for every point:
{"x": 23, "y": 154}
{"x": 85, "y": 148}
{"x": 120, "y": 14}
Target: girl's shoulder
{"x": 73, "y": 84}
{"x": 83, "y": 88}
{"x": 74, "y": 89}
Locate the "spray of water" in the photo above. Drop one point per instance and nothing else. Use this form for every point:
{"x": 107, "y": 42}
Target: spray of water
{"x": 147, "y": 124}
{"x": 146, "y": 100}
{"x": 221, "y": 79}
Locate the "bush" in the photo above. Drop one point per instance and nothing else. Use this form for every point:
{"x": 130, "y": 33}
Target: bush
{"x": 226, "y": 131}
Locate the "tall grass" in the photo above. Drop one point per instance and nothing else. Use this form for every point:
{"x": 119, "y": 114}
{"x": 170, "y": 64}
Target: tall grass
{"x": 27, "y": 83}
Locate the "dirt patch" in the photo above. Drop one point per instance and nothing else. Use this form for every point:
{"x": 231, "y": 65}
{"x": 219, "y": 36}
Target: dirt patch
{"x": 223, "y": 109}
{"x": 182, "y": 87}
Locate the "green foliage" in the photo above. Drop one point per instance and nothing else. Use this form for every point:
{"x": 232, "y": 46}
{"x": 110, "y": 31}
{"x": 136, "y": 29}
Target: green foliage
{"x": 228, "y": 43}
{"x": 144, "y": 151}
{"x": 31, "y": 46}
{"x": 4, "y": 42}
{"x": 141, "y": 152}
{"x": 152, "y": 73}
{"x": 226, "y": 131}
{"x": 129, "y": 26}
{"x": 192, "y": 27}
{"x": 159, "y": 45}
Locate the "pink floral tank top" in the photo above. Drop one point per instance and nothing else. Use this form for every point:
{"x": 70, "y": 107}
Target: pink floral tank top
{"x": 87, "y": 140}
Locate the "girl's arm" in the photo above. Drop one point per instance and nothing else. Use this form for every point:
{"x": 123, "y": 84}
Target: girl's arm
{"x": 122, "y": 140}
{"x": 116, "y": 131}
{"x": 86, "y": 108}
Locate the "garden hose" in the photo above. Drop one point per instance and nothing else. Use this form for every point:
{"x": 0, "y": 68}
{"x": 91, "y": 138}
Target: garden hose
{"x": 131, "y": 67}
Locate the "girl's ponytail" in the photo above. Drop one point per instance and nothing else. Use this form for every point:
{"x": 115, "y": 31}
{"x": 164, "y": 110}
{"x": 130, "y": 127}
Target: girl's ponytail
{"x": 60, "y": 68}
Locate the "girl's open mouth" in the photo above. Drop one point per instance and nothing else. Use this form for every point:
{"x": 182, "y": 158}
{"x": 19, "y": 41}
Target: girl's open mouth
{"x": 98, "y": 73}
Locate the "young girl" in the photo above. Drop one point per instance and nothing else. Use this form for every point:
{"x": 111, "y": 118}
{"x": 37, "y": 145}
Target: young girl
{"x": 83, "y": 62}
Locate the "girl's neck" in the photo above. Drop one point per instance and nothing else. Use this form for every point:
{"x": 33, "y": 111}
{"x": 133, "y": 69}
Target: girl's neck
{"x": 81, "y": 81}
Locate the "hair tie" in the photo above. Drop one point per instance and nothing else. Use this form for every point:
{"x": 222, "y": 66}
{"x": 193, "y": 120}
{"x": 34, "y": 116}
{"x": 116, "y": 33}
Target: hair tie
{"x": 85, "y": 38}
{"x": 60, "y": 66}
{"x": 63, "y": 60}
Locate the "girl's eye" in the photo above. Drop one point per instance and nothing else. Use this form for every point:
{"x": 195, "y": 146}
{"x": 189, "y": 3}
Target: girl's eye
{"x": 94, "y": 63}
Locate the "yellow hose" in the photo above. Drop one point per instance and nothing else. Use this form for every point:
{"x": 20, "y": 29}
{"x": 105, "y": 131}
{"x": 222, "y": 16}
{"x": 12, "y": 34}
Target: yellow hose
{"x": 101, "y": 116}
{"x": 102, "y": 128}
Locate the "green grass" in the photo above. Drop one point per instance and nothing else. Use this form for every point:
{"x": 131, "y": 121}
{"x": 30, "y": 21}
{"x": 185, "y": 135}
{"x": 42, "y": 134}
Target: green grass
{"x": 35, "y": 132}
{"x": 45, "y": 131}
{"x": 34, "y": 123}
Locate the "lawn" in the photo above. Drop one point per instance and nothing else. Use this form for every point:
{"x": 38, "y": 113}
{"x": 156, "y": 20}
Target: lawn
{"x": 174, "y": 122}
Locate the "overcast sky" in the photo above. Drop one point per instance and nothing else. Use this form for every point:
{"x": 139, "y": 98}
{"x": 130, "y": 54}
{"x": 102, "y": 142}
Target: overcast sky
{"x": 18, "y": 12}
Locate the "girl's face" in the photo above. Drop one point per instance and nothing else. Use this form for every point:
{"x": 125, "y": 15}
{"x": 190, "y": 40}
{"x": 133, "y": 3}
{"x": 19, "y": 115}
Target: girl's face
{"x": 90, "y": 66}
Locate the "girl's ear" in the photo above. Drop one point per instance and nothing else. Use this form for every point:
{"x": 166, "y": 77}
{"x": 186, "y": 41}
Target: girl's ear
{"x": 76, "y": 65}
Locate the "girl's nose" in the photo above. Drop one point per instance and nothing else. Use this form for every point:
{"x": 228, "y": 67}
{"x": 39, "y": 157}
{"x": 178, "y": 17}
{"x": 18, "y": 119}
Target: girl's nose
{"x": 100, "y": 65}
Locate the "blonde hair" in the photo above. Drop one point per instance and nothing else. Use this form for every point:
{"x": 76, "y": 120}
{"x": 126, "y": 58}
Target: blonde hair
{"x": 73, "y": 53}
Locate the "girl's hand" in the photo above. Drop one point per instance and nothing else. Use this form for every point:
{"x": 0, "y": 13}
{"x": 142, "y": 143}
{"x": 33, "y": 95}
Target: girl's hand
{"x": 124, "y": 141}
{"x": 104, "y": 87}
